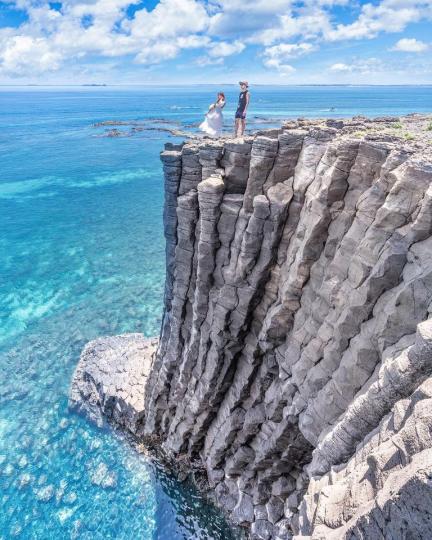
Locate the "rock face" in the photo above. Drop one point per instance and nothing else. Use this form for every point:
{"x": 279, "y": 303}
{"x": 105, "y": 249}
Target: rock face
{"x": 295, "y": 356}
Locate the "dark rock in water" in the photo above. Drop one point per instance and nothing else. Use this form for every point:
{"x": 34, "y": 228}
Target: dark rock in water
{"x": 116, "y": 133}
{"x": 139, "y": 126}
{"x": 295, "y": 359}
{"x": 105, "y": 123}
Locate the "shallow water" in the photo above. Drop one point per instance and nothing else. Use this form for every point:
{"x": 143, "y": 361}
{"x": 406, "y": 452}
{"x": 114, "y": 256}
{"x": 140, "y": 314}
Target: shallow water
{"x": 82, "y": 255}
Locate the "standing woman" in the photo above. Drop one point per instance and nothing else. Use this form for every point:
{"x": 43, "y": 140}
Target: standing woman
{"x": 213, "y": 122}
{"x": 240, "y": 116}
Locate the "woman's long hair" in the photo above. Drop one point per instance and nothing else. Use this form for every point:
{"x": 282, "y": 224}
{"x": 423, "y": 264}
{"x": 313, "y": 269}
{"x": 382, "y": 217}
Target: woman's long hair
{"x": 220, "y": 95}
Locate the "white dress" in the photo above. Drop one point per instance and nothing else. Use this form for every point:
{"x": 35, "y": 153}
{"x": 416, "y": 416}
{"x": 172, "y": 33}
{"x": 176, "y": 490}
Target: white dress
{"x": 213, "y": 123}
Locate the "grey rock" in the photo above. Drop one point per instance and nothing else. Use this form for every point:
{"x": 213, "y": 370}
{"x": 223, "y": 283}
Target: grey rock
{"x": 384, "y": 489}
{"x": 295, "y": 356}
{"x": 243, "y": 512}
{"x": 110, "y": 380}
{"x": 275, "y": 509}
{"x": 282, "y": 530}
{"x": 262, "y": 530}
{"x": 283, "y": 486}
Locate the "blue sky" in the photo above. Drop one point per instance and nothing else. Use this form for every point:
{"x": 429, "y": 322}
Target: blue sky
{"x": 216, "y": 41}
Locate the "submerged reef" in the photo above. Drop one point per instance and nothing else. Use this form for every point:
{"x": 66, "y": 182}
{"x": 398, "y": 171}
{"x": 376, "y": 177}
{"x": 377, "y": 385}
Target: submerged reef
{"x": 294, "y": 363}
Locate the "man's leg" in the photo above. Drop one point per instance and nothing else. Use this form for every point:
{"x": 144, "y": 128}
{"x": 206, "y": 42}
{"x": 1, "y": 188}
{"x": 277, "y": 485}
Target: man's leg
{"x": 242, "y": 126}
{"x": 236, "y": 127}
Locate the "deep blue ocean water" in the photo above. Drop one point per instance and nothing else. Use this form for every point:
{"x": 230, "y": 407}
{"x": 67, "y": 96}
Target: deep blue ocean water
{"x": 82, "y": 255}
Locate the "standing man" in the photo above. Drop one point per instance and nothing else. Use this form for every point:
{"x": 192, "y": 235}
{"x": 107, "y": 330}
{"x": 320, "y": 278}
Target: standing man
{"x": 240, "y": 116}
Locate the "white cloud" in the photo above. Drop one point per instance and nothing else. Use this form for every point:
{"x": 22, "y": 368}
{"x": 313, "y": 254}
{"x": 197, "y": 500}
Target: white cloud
{"x": 362, "y": 66}
{"x": 193, "y": 42}
{"x": 153, "y": 54}
{"x": 203, "y": 61}
{"x": 342, "y": 68}
{"x": 410, "y": 45}
{"x": 223, "y": 48}
{"x": 272, "y": 63}
{"x": 263, "y": 7}
{"x": 21, "y": 55}
{"x": 387, "y": 16}
{"x": 239, "y": 19}
{"x": 170, "y": 18}
{"x": 52, "y": 39}
{"x": 277, "y": 57}
{"x": 50, "y": 36}
{"x": 309, "y": 24}
{"x": 266, "y": 21}
{"x": 218, "y": 51}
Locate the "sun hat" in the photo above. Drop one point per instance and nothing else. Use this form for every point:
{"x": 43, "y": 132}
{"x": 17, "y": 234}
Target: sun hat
{"x": 244, "y": 82}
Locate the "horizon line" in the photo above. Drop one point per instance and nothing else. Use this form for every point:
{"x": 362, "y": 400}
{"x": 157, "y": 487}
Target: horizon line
{"x": 108, "y": 85}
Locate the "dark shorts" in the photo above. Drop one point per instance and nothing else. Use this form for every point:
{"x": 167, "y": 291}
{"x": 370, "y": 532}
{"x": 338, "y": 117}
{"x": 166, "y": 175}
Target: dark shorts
{"x": 240, "y": 114}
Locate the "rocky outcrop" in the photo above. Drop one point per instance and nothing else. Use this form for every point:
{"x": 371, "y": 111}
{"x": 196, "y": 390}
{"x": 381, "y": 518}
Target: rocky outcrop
{"x": 384, "y": 489}
{"x": 110, "y": 379}
{"x": 295, "y": 353}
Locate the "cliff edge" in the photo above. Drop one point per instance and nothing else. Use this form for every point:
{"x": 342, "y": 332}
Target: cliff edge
{"x": 295, "y": 356}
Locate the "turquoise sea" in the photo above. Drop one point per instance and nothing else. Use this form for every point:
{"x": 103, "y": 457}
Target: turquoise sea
{"x": 82, "y": 255}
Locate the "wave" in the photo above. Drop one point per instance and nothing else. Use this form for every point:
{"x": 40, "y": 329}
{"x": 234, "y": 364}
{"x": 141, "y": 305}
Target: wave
{"x": 34, "y": 188}
{"x": 183, "y": 107}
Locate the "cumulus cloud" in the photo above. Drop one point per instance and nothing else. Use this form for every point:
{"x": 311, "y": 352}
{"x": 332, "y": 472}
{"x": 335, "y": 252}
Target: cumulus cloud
{"x": 101, "y": 27}
{"x": 264, "y": 21}
{"x": 218, "y": 51}
{"x": 410, "y": 45}
{"x": 387, "y": 16}
{"x": 222, "y": 48}
{"x": 52, "y": 36}
{"x": 362, "y": 66}
{"x": 306, "y": 24}
{"x": 27, "y": 55}
{"x": 341, "y": 68}
{"x": 237, "y": 18}
{"x": 155, "y": 53}
{"x": 203, "y": 61}
{"x": 170, "y": 18}
{"x": 278, "y": 56}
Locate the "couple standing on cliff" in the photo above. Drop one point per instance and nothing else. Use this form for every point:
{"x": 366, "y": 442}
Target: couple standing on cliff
{"x": 213, "y": 122}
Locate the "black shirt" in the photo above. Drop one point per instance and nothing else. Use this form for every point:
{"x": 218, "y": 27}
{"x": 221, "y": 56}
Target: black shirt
{"x": 242, "y": 101}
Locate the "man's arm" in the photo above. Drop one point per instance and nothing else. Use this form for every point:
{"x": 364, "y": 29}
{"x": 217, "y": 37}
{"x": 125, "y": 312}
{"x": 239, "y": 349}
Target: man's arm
{"x": 247, "y": 103}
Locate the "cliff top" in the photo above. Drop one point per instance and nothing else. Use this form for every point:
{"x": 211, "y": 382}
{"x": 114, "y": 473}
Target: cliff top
{"x": 411, "y": 133}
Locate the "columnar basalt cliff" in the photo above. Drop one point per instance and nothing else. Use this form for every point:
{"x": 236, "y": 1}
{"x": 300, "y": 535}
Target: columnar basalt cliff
{"x": 295, "y": 356}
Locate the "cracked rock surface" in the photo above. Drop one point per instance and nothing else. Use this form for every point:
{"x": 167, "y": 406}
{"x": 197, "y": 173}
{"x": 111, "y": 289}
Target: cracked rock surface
{"x": 295, "y": 357}
{"x": 109, "y": 381}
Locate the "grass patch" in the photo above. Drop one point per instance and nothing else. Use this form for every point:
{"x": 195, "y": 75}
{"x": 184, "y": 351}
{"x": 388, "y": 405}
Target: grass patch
{"x": 429, "y": 128}
{"x": 409, "y": 136}
{"x": 397, "y": 125}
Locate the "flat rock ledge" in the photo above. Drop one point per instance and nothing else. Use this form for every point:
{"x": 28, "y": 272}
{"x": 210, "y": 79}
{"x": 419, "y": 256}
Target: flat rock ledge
{"x": 110, "y": 379}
